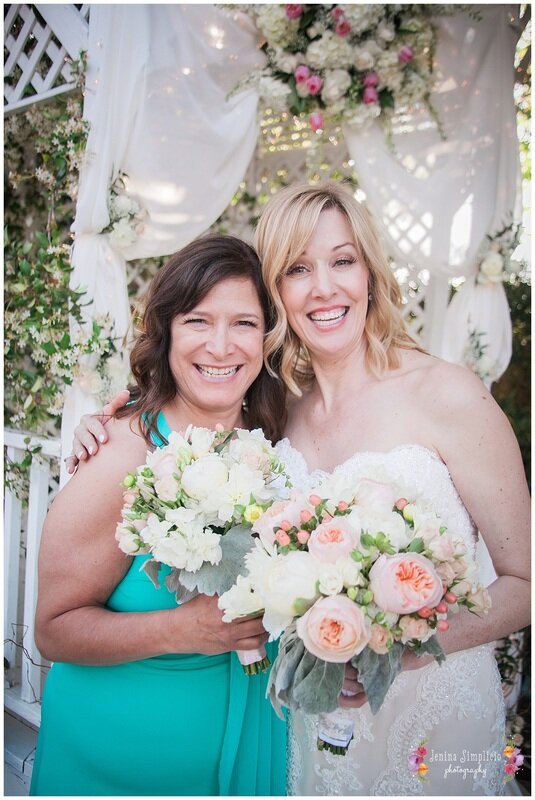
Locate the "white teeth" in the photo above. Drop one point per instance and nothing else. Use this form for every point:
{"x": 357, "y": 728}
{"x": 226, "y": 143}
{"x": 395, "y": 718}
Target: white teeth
{"x": 328, "y": 316}
{"x": 218, "y": 372}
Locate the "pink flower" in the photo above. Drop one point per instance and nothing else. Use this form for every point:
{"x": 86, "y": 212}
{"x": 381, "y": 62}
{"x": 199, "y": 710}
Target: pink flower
{"x": 301, "y": 74}
{"x": 337, "y": 12}
{"x": 314, "y": 84}
{"x": 305, "y": 516}
{"x": 282, "y": 538}
{"x": 404, "y": 583}
{"x": 414, "y": 628}
{"x": 293, "y": 10}
{"x": 422, "y": 751}
{"x": 334, "y": 629}
{"x": 375, "y": 494}
{"x": 303, "y": 537}
{"x": 379, "y": 636}
{"x": 370, "y": 95}
{"x": 343, "y": 28}
{"x": 517, "y": 760}
{"x": 372, "y": 79}
{"x": 510, "y": 769}
{"x": 442, "y": 625}
{"x": 316, "y": 122}
{"x": 333, "y": 540}
{"x": 414, "y": 761}
{"x": 405, "y": 55}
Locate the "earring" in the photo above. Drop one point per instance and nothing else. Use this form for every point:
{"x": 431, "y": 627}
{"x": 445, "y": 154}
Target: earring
{"x": 369, "y": 297}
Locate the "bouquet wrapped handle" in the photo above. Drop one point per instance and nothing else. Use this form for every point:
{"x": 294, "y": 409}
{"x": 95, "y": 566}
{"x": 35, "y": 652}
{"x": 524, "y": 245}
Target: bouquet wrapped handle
{"x": 254, "y": 661}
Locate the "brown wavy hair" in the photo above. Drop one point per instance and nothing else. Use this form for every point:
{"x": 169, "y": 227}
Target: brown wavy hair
{"x": 285, "y": 226}
{"x": 178, "y": 287}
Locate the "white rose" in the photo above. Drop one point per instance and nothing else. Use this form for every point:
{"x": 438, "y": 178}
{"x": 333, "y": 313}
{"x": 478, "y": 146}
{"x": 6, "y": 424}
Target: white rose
{"x": 331, "y": 579}
{"x": 492, "y": 266}
{"x": 162, "y": 463}
{"x": 167, "y": 488}
{"x": 286, "y": 62}
{"x": 129, "y": 541}
{"x": 336, "y": 83}
{"x": 241, "y": 599}
{"x": 386, "y": 32}
{"x": 201, "y": 441}
{"x": 392, "y": 525}
{"x": 362, "y": 58}
{"x": 351, "y": 572}
{"x": 204, "y": 476}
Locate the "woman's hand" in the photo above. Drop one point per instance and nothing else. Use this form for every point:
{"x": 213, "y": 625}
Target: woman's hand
{"x": 197, "y": 627}
{"x": 358, "y": 696}
{"x": 91, "y": 430}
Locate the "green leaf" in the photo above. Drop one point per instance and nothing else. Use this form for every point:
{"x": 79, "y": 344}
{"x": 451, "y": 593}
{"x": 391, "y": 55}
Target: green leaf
{"x": 367, "y": 541}
{"x": 377, "y": 672}
{"x": 416, "y": 546}
{"x": 215, "y": 579}
{"x": 431, "y": 647}
{"x": 49, "y": 348}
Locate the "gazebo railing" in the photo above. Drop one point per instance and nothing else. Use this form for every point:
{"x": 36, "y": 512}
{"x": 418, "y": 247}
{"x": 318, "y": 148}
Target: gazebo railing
{"x": 23, "y": 664}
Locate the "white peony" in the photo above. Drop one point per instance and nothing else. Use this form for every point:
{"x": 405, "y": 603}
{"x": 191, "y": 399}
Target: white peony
{"x": 241, "y": 599}
{"x": 204, "y": 477}
{"x": 391, "y": 524}
{"x": 351, "y": 572}
{"x": 280, "y": 581}
{"x": 335, "y": 85}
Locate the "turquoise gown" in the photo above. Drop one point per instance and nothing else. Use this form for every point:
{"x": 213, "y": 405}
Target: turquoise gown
{"x": 171, "y": 725}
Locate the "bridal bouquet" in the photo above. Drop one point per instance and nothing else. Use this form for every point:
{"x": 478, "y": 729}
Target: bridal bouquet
{"x": 191, "y": 507}
{"x": 355, "y": 573}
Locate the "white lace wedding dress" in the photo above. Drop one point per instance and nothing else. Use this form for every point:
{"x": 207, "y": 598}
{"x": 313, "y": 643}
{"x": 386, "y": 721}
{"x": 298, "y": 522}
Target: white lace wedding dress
{"x": 457, "y": 707}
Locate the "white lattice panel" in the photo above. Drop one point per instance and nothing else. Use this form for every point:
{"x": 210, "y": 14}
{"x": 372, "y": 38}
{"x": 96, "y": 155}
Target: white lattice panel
{"x": 38, "y": 41}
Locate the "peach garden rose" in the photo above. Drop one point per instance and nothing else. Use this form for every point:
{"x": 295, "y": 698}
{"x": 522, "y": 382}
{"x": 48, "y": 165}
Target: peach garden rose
{"x": 333, "y": 540}
{"x": 404, "y": 583}
{"x": 334, "y": 629}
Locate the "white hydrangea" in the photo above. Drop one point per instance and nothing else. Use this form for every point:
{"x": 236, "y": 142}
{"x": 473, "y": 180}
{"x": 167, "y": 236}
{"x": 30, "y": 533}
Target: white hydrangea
{"x": 363, "y": 115}
{"x": 329, "y": 51}
{"x": 279, "y": 30}
{"x": 273, "y": 91}
{"x": 363, "y": 17}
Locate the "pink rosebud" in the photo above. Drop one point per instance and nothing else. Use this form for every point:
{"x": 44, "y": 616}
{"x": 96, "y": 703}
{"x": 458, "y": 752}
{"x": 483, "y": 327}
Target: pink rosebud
{"x": 316, "y": 121}
{"x": 449, "y": 597}
{"x": 405, "y": 55}
{"x": 314, "y": 500}
{"x": 305, "y": 516}
{"x": 425, "y": 612}
{"x": 282, "y": 538}
{"x": 422, "y": 751}
{"x": 442, "y": 625}
{"x": 130, "y": 497}
{"x": 401, "y": 503}
{"x": 372, "y": 79}
{"x": 370, "y": 95}
{"x": 285, "y": 525}
{"x": 293, "y": 10}
{"x": 342, "y": 505}
{"x": 510, "y": 769}
{"x": 302, "y": 73}
{"x": 337, "y": 12}
{"x": 314, "y": 84}
{"x": 442, "y": 608}
{"x": 303, "y": 537}
{"x": 343, "y": 28}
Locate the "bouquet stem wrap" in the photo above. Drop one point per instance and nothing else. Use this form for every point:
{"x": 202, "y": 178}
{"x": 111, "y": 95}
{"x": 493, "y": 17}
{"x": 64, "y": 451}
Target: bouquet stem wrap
{"x": 254, "y": 661}
{"x": 335, "y": 731}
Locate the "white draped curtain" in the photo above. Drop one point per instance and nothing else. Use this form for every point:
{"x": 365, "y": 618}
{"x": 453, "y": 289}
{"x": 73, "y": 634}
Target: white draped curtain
{"x": 157, "y": 102}
{"x": 436, "y": 199}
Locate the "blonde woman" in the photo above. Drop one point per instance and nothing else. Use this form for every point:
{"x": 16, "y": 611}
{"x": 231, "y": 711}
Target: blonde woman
{"x": 364, "y": 396}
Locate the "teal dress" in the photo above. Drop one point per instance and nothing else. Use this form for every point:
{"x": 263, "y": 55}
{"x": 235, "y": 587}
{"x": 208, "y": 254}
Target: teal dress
{"x": 171, "y": 725}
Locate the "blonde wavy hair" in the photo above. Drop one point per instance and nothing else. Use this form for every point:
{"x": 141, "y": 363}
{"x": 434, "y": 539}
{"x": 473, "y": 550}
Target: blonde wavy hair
{"x": 285, "y": 226}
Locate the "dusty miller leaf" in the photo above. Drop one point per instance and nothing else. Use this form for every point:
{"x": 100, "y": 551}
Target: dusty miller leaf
{"x": 431, "y": 647}
{"x": 172, "y": 582}
{"x": 300, "y": 680}
{"x": 377, "y": 672}
{"x": 152, "y": 568}
{"x": 215, "y": 579}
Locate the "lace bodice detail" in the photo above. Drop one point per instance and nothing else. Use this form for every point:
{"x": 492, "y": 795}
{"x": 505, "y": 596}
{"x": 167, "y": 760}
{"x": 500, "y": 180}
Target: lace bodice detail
{"x": 414, "y": 467}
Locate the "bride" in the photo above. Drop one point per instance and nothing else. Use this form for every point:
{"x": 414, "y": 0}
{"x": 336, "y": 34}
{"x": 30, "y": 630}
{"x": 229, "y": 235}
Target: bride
{"x": 365, "y": 396}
